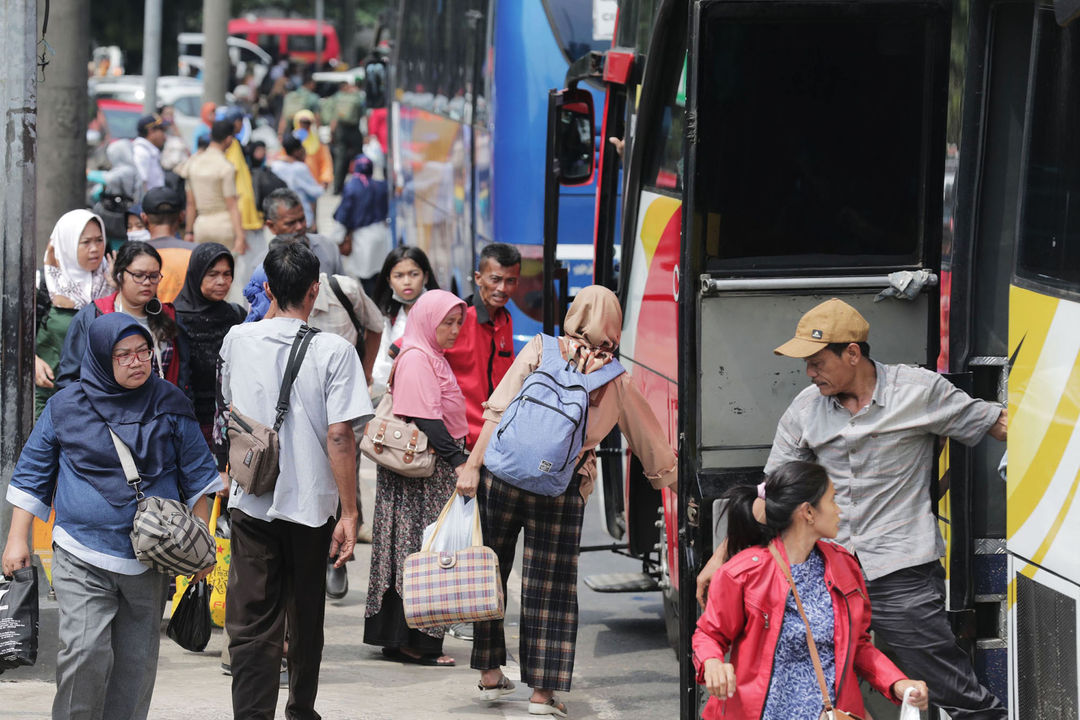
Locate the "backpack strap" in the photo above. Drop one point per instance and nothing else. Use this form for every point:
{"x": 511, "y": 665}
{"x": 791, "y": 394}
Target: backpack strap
{"x": 601, "y": 377}
{"x": 345, "y": 303}
{"x": 292, "y": 369}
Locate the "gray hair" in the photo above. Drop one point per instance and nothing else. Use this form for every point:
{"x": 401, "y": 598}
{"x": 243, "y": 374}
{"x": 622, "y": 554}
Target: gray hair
{"x": 278, "y": 201}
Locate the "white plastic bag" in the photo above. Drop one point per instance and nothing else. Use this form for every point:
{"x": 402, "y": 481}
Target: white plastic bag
{"x": 907, "y": 710}
{"x": 457, "y": 529}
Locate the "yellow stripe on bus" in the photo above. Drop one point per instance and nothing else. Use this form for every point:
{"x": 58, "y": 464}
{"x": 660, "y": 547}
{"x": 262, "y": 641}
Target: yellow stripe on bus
{"x": 1055, "y": 527}
{"x": 1031, "y": 316}
{"x": 1025, "y": 493}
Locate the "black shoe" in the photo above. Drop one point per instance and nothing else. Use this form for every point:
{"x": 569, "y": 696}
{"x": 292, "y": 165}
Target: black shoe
{"x": 337, "y": 581}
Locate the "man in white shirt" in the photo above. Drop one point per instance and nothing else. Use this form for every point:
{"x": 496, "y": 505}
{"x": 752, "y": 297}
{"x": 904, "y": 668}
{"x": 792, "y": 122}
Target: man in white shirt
{"x": 280, "y": 538}
{"x": 332, "y": 314}
{"x": 147, "y": 151}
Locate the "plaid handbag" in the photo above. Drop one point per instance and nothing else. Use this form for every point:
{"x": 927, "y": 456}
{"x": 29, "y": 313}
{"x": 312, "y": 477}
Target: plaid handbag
{"x": 443, "y": 588}
{"x": 165, "y": 535}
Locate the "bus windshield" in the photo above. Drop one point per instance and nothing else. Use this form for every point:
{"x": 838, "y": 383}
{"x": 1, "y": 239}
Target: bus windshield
{"x": 581, "y": 27}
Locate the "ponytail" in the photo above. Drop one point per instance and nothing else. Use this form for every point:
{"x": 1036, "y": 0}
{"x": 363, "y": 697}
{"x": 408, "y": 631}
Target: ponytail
{"x": 785, "y": 490}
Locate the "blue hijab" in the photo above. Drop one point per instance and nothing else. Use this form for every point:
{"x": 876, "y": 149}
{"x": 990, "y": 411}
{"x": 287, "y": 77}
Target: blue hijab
{"x": 255, "y": 294}
{"x": 83, "y": 412}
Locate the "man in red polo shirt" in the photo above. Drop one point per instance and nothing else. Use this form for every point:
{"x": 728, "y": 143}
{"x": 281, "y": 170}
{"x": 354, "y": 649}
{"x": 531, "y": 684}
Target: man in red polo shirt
{"x": 484, "y": 350}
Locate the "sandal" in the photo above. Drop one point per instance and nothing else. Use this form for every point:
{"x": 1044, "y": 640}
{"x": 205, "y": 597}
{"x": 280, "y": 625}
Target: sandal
{"x": 551, "y": 707}
{"x": 496, "y": 691}
{"x": 430, "y": 660}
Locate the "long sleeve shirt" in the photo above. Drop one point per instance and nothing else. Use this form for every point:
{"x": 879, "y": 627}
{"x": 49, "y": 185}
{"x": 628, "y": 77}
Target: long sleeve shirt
{"x": 89, "y": 526}
{"x": 880, "y": 459}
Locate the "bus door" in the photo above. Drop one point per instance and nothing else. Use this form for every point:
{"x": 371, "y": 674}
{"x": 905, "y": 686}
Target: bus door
{"x": 814, "y": 162}
{"x": 980, "y": 224}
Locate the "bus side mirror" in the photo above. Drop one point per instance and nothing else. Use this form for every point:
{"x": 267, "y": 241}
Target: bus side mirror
{"x": 575, "y": 150}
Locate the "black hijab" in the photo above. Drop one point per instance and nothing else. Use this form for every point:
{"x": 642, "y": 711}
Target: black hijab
{"x": 83, "y": 412}
{"x": 203, "y": 257}
{"x": 206, "y": 323}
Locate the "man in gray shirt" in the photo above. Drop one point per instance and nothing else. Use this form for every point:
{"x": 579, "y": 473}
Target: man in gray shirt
{"x": 872, "y": 427}
{"x": 285, "y": 217}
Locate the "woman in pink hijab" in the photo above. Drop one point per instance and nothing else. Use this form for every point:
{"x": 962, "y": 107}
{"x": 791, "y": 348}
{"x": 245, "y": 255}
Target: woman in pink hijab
{"x": 425, "y": 391}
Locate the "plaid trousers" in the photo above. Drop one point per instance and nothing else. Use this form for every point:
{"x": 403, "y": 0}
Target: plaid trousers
{"x": 549, "y": 607}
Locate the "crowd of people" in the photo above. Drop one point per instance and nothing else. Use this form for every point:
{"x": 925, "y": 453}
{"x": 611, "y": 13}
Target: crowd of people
{"x": 223, "y": 293}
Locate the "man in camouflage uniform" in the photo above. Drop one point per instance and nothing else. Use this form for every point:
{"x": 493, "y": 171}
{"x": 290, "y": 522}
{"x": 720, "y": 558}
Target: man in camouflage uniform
{"x": 348, "y": 141}
{"x": 302, "y": 98}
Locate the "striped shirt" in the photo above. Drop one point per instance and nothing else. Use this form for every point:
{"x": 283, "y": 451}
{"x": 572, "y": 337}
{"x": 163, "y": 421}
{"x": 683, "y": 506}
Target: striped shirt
{"x": 880, "y": 459}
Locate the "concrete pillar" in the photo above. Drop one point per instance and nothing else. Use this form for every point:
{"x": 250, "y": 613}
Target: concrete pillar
{"x": 18, "y": 147}
{"x": 62, "y": 117}
{"x": 216, "y": 68}
{"x": 151, "y": 67}
{"x": 347, "y": 33}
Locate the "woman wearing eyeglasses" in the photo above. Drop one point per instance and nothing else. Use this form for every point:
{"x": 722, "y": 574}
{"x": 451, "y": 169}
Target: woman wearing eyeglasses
{"x": 110, "y": 603}
{"x": 137, "y": 273}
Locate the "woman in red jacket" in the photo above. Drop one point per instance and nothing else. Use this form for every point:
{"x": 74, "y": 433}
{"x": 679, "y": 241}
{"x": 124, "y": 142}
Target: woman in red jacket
{"x": 751, "y": 611}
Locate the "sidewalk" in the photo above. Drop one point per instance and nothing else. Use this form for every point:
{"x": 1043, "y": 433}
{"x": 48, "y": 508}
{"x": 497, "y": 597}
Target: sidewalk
{"x": 356, "y": 682}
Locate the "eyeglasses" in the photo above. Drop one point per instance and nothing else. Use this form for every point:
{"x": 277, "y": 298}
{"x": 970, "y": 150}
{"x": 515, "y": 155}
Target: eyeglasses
{"x": 142, "y": 278}
{"x": 125, "y": 359}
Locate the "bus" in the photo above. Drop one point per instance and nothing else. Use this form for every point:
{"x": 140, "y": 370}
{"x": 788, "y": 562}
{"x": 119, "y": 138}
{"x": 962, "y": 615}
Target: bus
{"x": 467, "y": 131}
{"x": 779, "y": 154}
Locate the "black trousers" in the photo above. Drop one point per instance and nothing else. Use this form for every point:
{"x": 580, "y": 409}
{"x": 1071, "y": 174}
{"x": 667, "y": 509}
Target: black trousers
{"x": 278, "y": 571}
{"x": 908, "y": 612}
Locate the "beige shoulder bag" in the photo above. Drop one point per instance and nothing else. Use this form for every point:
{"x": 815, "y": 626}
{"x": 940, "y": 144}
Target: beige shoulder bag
{"x": 397, "y": 445}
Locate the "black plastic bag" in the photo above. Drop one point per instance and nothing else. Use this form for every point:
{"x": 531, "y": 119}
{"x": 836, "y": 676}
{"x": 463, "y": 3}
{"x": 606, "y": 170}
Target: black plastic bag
{"x": 19, "y": 619}
{"x": 190, "y": 622}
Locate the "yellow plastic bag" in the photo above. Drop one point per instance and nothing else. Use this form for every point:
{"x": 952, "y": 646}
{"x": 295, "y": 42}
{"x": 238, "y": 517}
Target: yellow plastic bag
{"x": 218, "y": 579}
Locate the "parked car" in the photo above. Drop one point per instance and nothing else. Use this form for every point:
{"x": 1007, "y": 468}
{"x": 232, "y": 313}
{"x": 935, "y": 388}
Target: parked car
{"x": 184, "y": 94}
{"x": 244, "y": 56}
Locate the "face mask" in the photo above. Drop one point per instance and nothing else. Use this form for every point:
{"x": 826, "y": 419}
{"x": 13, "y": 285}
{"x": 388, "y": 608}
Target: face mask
{"x": 403, "y": 301}
{"x": 140, "y": 235}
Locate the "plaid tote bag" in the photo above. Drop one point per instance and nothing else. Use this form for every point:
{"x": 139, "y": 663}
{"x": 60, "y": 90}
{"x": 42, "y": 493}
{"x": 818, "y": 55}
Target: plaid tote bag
{"x": 443, "y": 588}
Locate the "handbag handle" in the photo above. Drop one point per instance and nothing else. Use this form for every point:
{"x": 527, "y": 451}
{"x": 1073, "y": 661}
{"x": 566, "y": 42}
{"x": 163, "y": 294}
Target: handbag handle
{"x": 215, "y": 513}
{"x": 478, "y": 532}
{"x": 809, "y": 635}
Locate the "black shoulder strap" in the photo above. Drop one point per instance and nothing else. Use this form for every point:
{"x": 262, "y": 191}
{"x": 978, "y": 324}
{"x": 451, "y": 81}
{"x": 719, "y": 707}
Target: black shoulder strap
{"x": 292, "y": 369}
{"x": 345, "y": 303}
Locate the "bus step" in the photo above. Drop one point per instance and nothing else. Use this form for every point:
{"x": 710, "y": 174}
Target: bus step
{"x": 622, "y": 582}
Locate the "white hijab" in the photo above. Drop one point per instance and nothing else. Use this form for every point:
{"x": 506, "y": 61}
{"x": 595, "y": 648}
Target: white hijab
{"x": 70, "y": 280}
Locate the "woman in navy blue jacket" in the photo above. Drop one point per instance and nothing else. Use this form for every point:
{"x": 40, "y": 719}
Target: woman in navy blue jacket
{"x": 110, "y": 604}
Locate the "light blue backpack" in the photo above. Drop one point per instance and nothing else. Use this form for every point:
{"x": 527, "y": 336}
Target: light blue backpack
{"x": 540, "y": 437}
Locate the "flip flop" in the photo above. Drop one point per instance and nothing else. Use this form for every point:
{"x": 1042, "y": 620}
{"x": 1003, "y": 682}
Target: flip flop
{"x": 496, "y": 691}
{"x": 551, "y": 707}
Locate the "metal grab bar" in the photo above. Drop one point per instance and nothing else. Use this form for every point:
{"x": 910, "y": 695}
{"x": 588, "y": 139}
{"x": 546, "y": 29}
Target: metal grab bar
{"x": 712, "y": 286}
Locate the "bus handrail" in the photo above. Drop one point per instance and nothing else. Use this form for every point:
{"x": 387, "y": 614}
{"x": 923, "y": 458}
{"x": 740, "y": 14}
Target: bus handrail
{"x": 713, "y": 286}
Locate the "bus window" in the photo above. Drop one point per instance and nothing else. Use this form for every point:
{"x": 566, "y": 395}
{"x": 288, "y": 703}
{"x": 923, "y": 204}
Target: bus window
{"x": 432, "y": 65}
{"x": 1050, "y": 220}
{"x": 811, "y": 139}
{"x": 636, "y": 25}
{"x": 271, "y": 44}
{"x": 663, "y": 168}
{"x": 301, "y": 43}
{"x": 572, "y": 23}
